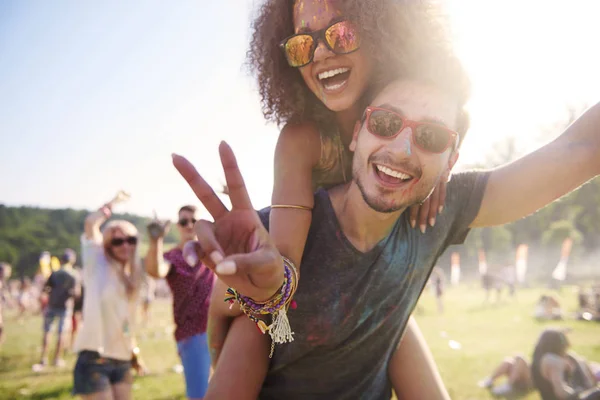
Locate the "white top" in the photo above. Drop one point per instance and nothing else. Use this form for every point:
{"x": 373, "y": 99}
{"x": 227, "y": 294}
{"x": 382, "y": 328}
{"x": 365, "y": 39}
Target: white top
{"x": 109, "y": 315}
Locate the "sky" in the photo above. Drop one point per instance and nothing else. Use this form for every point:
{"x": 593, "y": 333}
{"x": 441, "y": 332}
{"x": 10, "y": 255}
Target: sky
{"x": 95, "y": 96}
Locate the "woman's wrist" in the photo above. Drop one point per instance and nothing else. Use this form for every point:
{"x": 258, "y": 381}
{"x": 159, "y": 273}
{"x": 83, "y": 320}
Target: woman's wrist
{"x": 106, "y": 210}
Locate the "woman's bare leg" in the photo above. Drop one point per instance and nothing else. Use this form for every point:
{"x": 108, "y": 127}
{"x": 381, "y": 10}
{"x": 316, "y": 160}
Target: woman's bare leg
{"x": 520, "y": 372}
{"x": 121, "y": 391}
{"x": 105, "y": 395}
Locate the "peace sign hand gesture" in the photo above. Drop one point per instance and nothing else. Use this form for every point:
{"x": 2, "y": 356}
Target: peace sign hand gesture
{"x": 236, "y": 246}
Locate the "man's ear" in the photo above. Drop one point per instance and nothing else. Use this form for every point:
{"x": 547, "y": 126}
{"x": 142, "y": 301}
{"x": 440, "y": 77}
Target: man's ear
{"x": 452, "y": 160}
{"x": 357, "y": 127}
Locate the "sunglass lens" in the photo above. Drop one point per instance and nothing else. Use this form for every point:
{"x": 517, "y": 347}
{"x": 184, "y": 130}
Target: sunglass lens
{"x": 132, "y": 240}
{"x": 298, "y": 50}
{"x": 384, "y": 123}
{"x": 431, "y": 138}
{"x": 117, "y": 242}
{"x": 184, "y": 222}
{"x": 342, "y": 37}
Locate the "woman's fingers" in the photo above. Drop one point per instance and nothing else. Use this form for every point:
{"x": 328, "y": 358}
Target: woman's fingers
{"x": 201, "y": 188}
{"x": 414, "y": 213}
{"x": 442, "y": 187}
{"x": 423, "y": 213}
{"x": 236, "y": 188}
{"x": 434, "y": 201}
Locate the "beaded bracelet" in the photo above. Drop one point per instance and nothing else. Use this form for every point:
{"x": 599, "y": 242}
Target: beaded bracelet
{"x": 279, "y": 330}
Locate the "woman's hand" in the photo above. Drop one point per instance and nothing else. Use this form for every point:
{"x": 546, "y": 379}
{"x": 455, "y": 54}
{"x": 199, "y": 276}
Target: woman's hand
{"x": 236, "y": 246}
{"x": 426, "y": 213}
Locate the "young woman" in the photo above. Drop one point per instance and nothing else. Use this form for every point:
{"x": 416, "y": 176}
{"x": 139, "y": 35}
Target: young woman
{"x": 558, "y": 374}
{"x": 111, "y": 275}
{"x": 317, "y": 63}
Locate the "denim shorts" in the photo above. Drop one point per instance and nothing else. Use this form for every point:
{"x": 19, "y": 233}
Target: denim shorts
{"x": 94, "y": 373}
{"x": 50, "y": 314}
{"x": 195, "y": 358}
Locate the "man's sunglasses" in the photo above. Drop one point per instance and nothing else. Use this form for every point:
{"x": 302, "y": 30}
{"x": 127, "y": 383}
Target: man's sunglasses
{"x": 116, "y": 242}
{"x": 340, "y": 37}
{"x": 183, "y": 222}
{"x": 427, "y": 136}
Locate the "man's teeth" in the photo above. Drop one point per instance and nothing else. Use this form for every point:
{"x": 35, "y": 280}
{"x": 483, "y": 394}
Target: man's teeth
{"x": 391, "y": 172}
{"x": 333, "y": 72}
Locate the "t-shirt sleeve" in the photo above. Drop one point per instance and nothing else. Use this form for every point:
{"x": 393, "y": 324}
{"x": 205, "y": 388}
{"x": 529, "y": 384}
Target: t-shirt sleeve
{"x": 464, "y": 195}
{"x": 264, "y": 216}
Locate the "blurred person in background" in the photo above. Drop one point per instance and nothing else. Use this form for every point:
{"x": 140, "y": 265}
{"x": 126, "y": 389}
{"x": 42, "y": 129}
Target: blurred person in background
{"x": 59, "y": 289}
{"x": 25, "y": 297}
{"x": 191, "y": 285}
{"x": 517, "y": 372}
{"x": 77, "y": 316}
{"x": 5, "y": 272}
{"x": 112, "y": 274}
{"x": 547, "y": 308}
{"x": 149, "y": 294}
{"x": 559, "y": 374}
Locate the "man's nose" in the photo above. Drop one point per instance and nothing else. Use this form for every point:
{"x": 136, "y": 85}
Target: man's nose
{"x": 402, "y": 143}
{"x": 322, "y": 52}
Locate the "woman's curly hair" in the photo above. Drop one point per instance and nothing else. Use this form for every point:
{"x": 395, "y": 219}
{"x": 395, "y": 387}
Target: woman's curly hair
{"x": 406, "y": 38}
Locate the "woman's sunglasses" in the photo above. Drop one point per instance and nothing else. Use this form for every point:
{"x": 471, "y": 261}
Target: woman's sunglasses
{"x": 340, "y": 37}
{"x": 427, "y": 136}
{"x": 183, "y": 222}
{"x": 116, "y": 242}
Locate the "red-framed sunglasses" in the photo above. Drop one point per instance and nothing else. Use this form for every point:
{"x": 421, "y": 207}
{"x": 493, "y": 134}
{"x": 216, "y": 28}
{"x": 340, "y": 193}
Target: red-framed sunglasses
{"x": 340, "y": 37}
{"x": 427, "y": 136}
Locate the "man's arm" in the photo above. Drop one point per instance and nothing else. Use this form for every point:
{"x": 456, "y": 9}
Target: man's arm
{"x": 154, "y": 262}
{"x": 522, "y": 187}
{"x": 412, "y": 369}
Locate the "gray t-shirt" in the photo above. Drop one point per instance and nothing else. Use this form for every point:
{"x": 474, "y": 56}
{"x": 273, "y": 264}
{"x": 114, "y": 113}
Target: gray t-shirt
{"x": 353, "y": 306}
{"x": 62, "y": 287}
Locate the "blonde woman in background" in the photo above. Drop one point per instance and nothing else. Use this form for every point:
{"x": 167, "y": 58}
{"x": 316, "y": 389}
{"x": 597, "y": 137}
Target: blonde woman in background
{"x": 111, "y": 275}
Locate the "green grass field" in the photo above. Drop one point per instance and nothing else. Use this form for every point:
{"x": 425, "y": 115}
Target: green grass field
{"x": 486, "y": 333}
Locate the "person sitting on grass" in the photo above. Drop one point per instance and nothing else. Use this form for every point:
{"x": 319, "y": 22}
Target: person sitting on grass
{"x": 559, "y": 374}
{"x": 518, "y": 378}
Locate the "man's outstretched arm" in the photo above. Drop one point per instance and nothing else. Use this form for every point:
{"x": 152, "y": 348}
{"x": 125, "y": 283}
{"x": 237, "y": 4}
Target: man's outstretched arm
{"x": 412, "y": 369}
{"x": 524, "y": 186}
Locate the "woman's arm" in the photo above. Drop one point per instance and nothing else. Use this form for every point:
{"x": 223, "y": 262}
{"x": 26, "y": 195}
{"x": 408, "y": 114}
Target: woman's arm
{"x": 298, "y": 151}
{"x": 93, "y": 222}
{"x": 412, "y": 369}
{"x": 553, "y": 369}
{"x": 244, "y": 363}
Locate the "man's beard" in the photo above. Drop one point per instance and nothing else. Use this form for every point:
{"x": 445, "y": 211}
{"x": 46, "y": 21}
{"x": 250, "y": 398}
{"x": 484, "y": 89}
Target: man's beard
{"x": 380, "y": 206}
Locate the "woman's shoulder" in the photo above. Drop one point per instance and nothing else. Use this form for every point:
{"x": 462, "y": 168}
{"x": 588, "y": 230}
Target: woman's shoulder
{"x": 550, "y": 361}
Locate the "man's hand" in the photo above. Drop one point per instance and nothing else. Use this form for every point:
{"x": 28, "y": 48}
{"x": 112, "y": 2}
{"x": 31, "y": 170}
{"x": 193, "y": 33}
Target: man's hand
{"x": 236, "y": 246}
{"x": 158, "y": 229}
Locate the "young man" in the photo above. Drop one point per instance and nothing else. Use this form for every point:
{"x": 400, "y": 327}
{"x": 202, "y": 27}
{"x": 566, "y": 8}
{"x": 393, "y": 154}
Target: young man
{"x": 363, "y": 268}
{"x": 191, "y": 285}
{"x": 60, "y": 287}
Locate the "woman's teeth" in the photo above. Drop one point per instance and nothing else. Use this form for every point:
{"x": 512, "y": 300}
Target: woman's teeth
{"x": 332, "y": 73}
{"x": 334, "y": 79}
{"x": 392, "y": 173}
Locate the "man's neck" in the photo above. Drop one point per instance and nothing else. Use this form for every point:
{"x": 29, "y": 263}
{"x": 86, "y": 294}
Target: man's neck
{"x": 363, "y": 226}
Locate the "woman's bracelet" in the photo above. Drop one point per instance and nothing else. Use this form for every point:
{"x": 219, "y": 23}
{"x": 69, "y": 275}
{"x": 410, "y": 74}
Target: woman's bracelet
{"x": 292, "y": 206}
{"x": 279, "y": 330}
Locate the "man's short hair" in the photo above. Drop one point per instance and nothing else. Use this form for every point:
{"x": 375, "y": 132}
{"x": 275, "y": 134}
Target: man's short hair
{"x": 188, "y": 208}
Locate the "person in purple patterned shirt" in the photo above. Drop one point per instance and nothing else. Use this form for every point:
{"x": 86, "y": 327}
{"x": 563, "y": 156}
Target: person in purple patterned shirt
{"x": 191, "y": 284}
